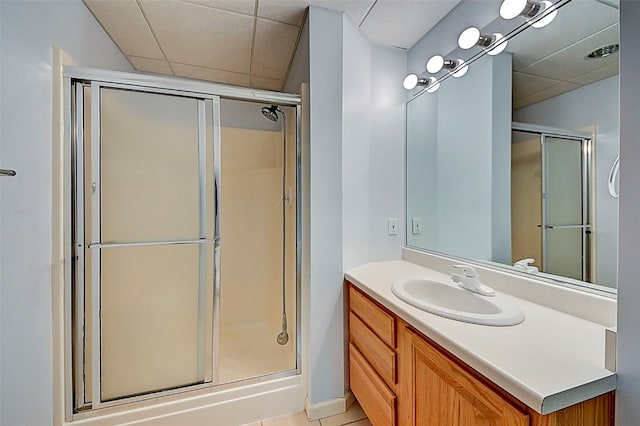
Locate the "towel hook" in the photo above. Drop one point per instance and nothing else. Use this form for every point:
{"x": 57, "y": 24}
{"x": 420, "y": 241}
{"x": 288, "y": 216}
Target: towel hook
{"x": 613, "y": 174}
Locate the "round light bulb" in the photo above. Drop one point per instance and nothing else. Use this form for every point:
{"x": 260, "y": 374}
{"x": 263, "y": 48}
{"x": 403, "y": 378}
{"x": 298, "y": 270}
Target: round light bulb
{"x": 433, "y": 87}
{"x": 461, "y": 69}
{"x": 509, "y": 9}
{"x": 468, "y": 38}
{"x": 498, "y": 45}
{"x": 435, "y": 64}
{"x": 410, "y": 81}
{"x": 550, "y": 14}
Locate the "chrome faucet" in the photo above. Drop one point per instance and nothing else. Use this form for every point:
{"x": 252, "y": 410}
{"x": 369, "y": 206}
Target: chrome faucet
{"x": 469, "y": 280}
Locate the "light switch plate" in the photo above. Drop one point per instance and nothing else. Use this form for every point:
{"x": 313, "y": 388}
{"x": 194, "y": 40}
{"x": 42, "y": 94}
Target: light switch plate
{"x": 416, "y": 225}
{"x": 392, "y": 226}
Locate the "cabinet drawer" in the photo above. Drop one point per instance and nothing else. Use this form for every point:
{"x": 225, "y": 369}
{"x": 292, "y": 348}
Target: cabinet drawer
{"x": 379, "y": 355}
{"x": 382, "y": 323}
{"x": 376, "y": 399}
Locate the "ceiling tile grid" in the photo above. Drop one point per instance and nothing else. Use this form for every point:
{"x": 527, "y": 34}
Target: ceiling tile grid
{"x": 210, "y": 74}
{"x": 126, "y": 25}
{"x": 202, "y": 36}
{"x": 157, "y": 66}
{"x": 246, "y": 42}
{"x": 252, "y": 42}
{"x": 547, "y": 93}
{"x": 245, "y": 7}
{"x": 286, "y": 11}
{"x": 273, "y": 48}
{"x": 402, "y": 23}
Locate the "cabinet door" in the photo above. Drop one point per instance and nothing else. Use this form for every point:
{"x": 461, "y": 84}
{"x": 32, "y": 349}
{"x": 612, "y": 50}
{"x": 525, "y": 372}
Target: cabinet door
{"x": 435, "y": 391}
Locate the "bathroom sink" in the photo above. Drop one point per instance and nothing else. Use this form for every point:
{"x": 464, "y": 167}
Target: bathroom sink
{"x": 451, "y": 301}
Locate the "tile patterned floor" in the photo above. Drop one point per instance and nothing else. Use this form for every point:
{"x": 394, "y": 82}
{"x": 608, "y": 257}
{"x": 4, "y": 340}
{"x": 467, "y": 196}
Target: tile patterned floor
{"x": 354, "y": 416}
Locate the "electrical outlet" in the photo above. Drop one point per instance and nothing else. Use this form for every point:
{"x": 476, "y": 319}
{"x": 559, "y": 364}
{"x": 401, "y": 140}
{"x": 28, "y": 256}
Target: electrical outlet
{"x": 416, "y": 225}
{"x": 392, "y": 226}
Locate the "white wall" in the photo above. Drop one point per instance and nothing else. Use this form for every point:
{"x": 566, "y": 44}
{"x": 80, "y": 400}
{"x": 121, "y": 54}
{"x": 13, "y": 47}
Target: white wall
{"x": 326, "y": 316}
{"x": 422, "y": 170}
{"x": 595, "y": 104}
{"x": 357, "y": 181}
{"x": 356, "y": 137}
{"x": 386, "y": 151}
{"x": 501, "y": 158}
{"x": 443, "y": 38}
{"x": 299, "y": 71}
{"x": 373, "y": 148}
{"x": 462, "y": 148}
{"x": 628, "y": 394}
{"x": 28, "y": 31}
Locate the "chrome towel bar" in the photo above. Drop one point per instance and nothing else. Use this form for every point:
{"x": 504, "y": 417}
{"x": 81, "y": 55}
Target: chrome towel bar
{"x": 6, "y": 172}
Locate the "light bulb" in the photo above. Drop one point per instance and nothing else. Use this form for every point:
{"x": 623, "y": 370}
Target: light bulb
{"x": 461, "y": 69}
{"x": 550, "y": 14}
{"x": 498, "y": 45}
{"x": 468, "y": 38}
{"x": 509, "y": 9}
{"x": 435, "y": 64}
{"x": 410, "y": 81}
{"x": 433, "y": 87}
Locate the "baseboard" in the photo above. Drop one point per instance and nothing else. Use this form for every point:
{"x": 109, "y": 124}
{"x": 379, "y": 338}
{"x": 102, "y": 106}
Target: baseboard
{"x": 328, "y": 408}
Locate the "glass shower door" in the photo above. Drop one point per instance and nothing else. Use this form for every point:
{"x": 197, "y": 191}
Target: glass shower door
{"x": 565, "y": 219}
{"x": 149, "y": 238}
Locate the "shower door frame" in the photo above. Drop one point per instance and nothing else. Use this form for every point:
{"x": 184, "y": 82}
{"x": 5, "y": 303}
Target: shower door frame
{"x": 75, "y": 77}
{"x": 205, "y": 342}
{"x": 586, "y": 140}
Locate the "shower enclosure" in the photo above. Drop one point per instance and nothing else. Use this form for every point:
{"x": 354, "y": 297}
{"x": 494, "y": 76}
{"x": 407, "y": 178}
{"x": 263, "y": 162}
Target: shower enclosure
{"x": 183, "y": 240}
{"x": 550, "y": 209}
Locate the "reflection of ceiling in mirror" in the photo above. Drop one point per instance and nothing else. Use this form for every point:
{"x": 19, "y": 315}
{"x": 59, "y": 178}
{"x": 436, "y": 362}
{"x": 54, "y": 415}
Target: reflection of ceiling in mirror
{"x": 550, "y": 61}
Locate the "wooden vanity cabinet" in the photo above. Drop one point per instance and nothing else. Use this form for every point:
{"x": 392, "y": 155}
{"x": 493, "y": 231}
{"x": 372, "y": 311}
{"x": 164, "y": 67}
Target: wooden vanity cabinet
{"x": 402, "y": 378}
{"x": 442, "y": 393}
{"x": 372, "y": 358}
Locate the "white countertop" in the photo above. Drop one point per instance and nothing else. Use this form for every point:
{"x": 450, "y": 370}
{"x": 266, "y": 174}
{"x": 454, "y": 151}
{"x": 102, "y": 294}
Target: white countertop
{"x": 550, "y": 361}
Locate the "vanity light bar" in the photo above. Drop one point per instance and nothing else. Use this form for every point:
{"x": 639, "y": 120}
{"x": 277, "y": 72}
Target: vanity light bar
{"x": 537, "y": 13}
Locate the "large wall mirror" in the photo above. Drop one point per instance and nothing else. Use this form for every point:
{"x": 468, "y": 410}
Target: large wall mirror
{"x": 515, "y": 163}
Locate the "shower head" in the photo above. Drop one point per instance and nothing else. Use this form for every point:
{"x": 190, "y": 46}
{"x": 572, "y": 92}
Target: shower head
{"x": 270, "y": 112}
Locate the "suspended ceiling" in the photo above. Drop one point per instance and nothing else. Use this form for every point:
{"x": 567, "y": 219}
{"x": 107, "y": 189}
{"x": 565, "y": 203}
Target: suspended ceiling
{"x": 550, "y": 61}
{"x": 246, "y": 42}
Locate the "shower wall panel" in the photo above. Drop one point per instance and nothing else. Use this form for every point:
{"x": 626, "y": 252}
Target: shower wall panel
{"x": 252, "y": 227}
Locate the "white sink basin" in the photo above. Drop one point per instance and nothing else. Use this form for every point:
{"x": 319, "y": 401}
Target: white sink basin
{"x": 451, "y": 301}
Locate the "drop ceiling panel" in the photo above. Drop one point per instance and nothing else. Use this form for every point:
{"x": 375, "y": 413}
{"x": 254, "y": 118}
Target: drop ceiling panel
{"x": 569, "y": 63}
{"x": 124, "y": 22}
{"x": 210, "y": 74}
{"x": 287, "y": 11}
{"x": 544, "y": 94}
{"x": 597, "y": 75}
{"x": 577, "y": 20}
{"x": 401, "y": 23}
{"x": 150, "y": 65}
{"x": 273, "y": 48}
{"x": 526, "y": 84}
{"x": 246, "y": 7}
{"x": 201, "y": 36}
{"x": 266, "y": 83}
{"x": 356, "y": 10}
